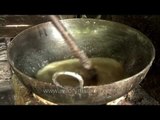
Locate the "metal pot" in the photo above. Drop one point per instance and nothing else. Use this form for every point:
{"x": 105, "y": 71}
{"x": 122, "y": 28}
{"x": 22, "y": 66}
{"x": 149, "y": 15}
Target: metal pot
{"x": 42, "y": 44}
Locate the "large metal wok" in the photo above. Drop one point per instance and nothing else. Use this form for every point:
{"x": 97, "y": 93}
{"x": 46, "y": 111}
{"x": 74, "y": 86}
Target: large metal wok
{"x": 37, "y": 46}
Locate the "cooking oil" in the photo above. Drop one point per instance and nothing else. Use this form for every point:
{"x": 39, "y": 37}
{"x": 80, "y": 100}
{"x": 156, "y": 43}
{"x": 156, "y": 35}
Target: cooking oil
{"x": 107, "y": 70}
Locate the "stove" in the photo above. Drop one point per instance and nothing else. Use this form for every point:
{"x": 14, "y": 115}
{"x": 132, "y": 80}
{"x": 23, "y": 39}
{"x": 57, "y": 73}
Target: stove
{"x": 13, "y": 92}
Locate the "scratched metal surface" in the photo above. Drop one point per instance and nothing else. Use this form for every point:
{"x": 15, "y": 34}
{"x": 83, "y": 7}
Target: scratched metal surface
{"x": 9, "y": 28}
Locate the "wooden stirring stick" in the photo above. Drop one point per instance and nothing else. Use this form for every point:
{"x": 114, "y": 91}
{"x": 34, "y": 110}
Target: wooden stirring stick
{"x": 86, "y": 63}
